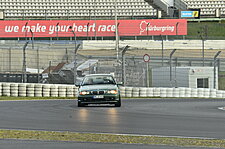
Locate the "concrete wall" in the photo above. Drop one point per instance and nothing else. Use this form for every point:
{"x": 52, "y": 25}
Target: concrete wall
{"x": 183, "y": 76}
{"x": 152, "y": 44}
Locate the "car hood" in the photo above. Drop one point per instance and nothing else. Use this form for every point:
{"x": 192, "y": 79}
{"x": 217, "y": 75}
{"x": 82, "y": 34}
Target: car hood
{"x": 98, "y": 87}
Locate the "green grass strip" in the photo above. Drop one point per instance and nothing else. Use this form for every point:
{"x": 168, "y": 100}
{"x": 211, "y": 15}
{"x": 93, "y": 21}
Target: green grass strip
{"x": 108, "y": 138}
{"x": 33, "y": 98}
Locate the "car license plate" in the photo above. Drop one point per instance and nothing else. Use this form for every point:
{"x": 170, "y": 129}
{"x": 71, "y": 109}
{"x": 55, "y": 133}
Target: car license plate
{"x": 98, "y": 96}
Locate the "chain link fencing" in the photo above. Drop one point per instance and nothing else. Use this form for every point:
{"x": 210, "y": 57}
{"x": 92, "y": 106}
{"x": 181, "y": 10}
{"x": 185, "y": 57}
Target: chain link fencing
{"x": 53, "y": 62}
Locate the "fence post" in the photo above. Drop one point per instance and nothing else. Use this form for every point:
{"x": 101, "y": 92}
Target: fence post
{"x": 215, "y": 62}
{"x": 171, "y": 54}
{"x": 24, "y": 80}
{"x": 123, "y": 65}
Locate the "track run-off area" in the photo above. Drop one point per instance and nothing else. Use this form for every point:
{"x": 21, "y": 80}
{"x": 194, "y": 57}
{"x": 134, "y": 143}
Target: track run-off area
{"x": 169, "y": 121}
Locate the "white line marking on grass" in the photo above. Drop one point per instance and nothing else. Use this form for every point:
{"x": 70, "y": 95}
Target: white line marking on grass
{"x": 221, "y": 108}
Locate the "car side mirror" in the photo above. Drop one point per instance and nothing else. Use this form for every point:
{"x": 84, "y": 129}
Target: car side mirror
{"x": 120, "y": 83}
{"x": 78, "y": 85}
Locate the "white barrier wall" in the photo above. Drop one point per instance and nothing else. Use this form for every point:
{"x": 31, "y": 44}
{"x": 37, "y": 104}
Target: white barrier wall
{"x": 37, "y": 90}
{"x": 171, "y": 92}
{"x": 61, "y": 90}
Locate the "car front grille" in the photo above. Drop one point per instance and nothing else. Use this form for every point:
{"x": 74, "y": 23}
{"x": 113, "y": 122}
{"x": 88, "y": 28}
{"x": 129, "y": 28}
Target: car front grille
{"x": 98, "y": 92}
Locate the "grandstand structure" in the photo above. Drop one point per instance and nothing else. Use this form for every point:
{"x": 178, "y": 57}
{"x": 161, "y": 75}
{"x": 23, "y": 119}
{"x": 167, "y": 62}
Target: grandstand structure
{"x": 207, "y": 7}
{"x": 74, "y": 9}
{"x": 102, "y": 9}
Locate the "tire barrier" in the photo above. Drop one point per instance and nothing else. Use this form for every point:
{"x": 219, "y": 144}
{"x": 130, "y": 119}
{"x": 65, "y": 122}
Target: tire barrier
{"x": 176, "y": 92}
{"x": 75, "y": 91}
{"x": 223, "y": 95}
{"x": 22, "y": 90}
{"x": 0, "y": 89}
{"x": 194, "y": 92}
{"x": 14, "y": 89}
{"x": 70, "y": 91}
{"x": 213, "y": 93}
{"x": 163, "y": 92}
{"x": 187, "y": 92}
{"x": 59, "y": 90}
{"x": 201, "y": 92}
{"x": 219, "y": 94}
{"x": 150, "y": 92}
{"x": 30, "y": 90}
{"x": 206, "y": 93}
{"x": 182, "y": 92}
{"x": 5, "y": 89}
{"x": 135, "y": 92}
{"x": 122, "y": 91}
{"x": 169, "y": 92}
{"x": 46, "y": 90}
{"x": 38, "y": 90}
{"x": 54, "y": 91}
{"x": 128, "y": 91}
{"x": 62, "y": 90}
{"x": 143, "y": 92}
{"x": 156, "y": 92}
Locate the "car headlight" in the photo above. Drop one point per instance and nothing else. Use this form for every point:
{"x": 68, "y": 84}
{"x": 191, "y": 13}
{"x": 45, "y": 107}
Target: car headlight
{"x": 84, "y": 93}
{"x": 112, "y": 91}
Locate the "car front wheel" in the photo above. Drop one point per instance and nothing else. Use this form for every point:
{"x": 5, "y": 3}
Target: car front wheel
{"x": 80, "y": 104}
{"x": 118, "y": 104}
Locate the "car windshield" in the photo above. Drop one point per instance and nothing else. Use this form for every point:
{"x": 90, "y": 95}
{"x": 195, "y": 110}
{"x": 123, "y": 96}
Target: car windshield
{"x": 93, "y": 80}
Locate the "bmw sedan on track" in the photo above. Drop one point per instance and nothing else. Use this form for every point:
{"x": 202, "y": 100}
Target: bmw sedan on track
{"x": 99, "y": 89}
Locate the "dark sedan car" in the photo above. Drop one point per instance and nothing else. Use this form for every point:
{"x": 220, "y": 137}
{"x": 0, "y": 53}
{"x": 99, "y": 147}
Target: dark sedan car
{"x": 99, "y": 89}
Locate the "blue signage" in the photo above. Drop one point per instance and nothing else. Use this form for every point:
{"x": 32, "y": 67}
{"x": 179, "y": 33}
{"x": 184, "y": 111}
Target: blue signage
{"x": 190, "y": 13}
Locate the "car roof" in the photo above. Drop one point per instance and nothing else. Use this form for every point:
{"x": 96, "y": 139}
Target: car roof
{"x": 98, "y": 75}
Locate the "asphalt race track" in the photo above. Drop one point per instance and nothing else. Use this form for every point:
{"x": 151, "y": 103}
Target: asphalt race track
{"x": 164, "y": 117}
{"x": 18, "y": 144}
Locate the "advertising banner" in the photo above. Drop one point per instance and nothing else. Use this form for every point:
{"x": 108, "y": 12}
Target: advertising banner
{"x": 92, "y": 28}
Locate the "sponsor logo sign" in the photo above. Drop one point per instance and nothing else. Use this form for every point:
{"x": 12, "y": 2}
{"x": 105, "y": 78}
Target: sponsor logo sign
{"x": 91, "y": 28}
{"x": 190, "y": 13}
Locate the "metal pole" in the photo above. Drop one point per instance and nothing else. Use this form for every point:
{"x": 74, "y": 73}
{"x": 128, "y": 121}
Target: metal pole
{"x": 147, "y": 73}
{"x": 38, "y": 65}
{"x": 162, "y": 50}
{"x": 75, "y": 55}
{"x": 24, "y": 80}
{"x": 203, "y": 52}
{"x": 32, "y": 33}
{"x": 49, "y": 71}
{"x": 95, "y": 18}
{"x": 171, "y": 54}
{"x": 117, "y": 36}
{"x": 215, "y": 62}
{"x": 26, "y": 31}
{"x": 10, "y": 59}
{"x": 87, "y": 31}
{"x": 123, "y": 65}
{"x": 75, "y": 64}
{"x": 147, "y": 30}
{"x": 57, "y": 30}
{"x": 75, "y": 59}
{"x": 177, "y": 27}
